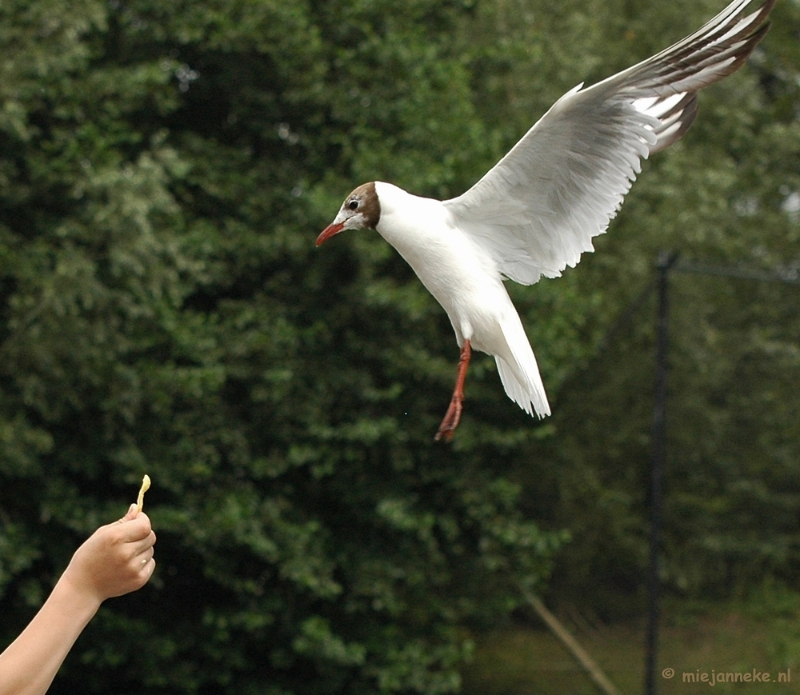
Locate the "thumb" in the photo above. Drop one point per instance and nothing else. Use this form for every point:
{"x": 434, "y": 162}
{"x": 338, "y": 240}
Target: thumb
{"x": 131, "y": 514}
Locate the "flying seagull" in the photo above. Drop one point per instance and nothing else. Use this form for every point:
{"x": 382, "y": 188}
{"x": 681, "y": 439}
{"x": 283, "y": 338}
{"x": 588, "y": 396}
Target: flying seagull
{"x": 536, "y": 211}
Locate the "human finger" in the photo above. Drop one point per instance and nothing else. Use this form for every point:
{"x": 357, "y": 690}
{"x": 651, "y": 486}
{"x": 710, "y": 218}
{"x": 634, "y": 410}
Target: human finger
{"x": 143, "y": 571}
{"x": 130, "y": 514}
{"x": 142, "y": 558}
{"x": 136, "y": 529}
{"x": 147, "y": 568}
{"x": 141, "y": 546}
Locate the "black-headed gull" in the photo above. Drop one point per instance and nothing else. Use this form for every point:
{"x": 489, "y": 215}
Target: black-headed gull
{"x": 536, "y": 211}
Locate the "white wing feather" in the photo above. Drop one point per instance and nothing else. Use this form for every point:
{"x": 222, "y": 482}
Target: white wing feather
{"x": 537, "y": 210}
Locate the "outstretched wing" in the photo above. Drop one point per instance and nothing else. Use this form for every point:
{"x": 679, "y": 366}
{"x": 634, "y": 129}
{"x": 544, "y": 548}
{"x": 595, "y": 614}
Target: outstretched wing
{"x": 537, "y": 210}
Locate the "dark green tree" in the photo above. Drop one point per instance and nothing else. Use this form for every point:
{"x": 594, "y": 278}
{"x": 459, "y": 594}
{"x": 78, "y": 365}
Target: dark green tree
{"x": 726, "y": 196}
{"x": 166, "y": 169}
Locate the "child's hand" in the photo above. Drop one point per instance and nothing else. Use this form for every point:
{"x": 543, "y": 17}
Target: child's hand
{"x": 115, "y": 560}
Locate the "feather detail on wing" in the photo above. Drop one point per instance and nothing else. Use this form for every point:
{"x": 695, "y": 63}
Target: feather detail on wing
{"x": 537, "y": 210}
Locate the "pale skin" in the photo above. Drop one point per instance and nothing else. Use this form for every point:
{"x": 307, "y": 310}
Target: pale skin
{"x": 115, "y": 560}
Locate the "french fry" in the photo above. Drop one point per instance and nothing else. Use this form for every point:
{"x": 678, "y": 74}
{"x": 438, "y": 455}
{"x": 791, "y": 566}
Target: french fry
{"x": 145, "y": 487}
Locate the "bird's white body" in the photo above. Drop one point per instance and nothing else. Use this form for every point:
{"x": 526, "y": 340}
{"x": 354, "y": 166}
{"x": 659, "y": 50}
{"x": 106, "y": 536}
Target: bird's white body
{"x": 536, "y": 211}
{"x": 466, "y": 281}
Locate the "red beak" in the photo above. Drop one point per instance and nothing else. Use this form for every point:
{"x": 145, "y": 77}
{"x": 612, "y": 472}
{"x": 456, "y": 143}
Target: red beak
{"x": 329, "y": 231}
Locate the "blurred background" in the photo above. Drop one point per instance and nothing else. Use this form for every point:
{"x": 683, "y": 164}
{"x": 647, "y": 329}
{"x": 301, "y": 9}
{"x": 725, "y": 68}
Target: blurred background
{"x": 165, "y": 168}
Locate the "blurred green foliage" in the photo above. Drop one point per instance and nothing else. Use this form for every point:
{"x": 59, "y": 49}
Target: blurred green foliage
{"x": 164, "y": 171}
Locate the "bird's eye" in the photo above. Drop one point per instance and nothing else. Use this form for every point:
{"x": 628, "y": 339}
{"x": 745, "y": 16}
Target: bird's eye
{"x": 353, "y": 205}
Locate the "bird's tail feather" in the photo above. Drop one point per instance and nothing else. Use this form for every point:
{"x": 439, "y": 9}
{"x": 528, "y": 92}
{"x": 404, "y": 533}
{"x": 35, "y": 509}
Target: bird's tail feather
{"x": 524, "y": 386}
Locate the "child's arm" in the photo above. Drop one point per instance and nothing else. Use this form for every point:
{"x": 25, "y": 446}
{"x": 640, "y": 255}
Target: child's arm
{"x": 115, "y": 560}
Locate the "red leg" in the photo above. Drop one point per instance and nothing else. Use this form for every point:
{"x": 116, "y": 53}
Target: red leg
{"x": 453, "y": 414}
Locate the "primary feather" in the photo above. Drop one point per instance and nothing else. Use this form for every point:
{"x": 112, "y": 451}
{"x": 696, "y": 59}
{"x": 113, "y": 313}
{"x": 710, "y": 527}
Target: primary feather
{"x": 537, "y": 210}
